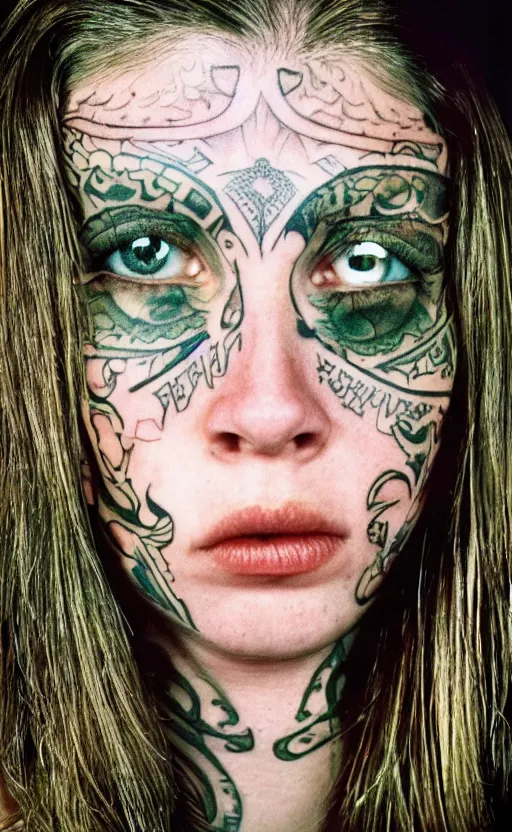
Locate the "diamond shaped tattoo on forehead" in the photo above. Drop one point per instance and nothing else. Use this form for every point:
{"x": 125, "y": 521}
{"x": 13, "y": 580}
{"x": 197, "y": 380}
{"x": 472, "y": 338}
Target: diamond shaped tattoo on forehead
{"x": 260, "y": 193}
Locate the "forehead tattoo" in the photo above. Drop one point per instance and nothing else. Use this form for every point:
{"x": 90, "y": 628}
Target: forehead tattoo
{"x": 174, "y": 100}
{"x": 138, "y": 135}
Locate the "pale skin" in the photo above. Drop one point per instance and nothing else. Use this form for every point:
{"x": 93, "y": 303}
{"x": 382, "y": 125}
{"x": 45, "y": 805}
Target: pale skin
{"x": 240, "y": 219}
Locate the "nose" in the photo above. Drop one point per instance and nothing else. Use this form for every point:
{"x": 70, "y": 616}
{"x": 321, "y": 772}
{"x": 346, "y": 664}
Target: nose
{"x": 267, "y": 404}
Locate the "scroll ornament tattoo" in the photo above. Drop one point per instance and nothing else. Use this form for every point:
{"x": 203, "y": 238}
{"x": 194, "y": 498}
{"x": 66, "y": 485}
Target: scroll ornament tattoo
{"x": 186, "y": 93}
{"x": 335, "y": 96}
{"x": 327, "y": 101}
{"x": 202, "y": 721}
{"x": 197, "y": 738}
{"x": 318, "y": 711}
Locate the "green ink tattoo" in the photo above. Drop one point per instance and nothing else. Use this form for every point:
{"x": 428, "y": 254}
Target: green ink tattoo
{"x": 379, "y": 192}
{"x": 371, "y": 322}
{"x": 317, "y": 711}
{"x": 390, "y": 334}
{"x": 222, "y": 803}
{"x": 399, "y": 213}
{"x": 121, "y": 509}
{"x": 169, "y": 316}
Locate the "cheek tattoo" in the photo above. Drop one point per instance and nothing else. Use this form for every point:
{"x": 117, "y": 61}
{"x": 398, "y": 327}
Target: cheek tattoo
{"x": 160, "y": 286}
{"x": 396, "y": 338}
{"x": 167, "y": 231}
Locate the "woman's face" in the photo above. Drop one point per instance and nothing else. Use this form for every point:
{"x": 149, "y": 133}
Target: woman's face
{"x": 271, "y": 356}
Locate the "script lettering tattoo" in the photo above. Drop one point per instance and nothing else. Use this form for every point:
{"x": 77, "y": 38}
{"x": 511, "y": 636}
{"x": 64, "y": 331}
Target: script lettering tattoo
{"x": 406, "y": 418}
{"x": 181, "y": 386}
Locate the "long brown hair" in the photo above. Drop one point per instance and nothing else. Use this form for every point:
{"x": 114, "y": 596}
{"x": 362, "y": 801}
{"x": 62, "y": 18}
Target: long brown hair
{"x": 427, "y": 743}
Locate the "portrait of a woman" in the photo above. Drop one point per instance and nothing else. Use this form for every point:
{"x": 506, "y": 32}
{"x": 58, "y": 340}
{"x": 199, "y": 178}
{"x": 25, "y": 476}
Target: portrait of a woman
{"x": 255, "y": 423}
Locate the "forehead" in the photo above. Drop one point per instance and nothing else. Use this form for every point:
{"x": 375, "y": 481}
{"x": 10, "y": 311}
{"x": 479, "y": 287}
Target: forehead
{"x": 205, "y": 88}
{"x": 259, "y": 132}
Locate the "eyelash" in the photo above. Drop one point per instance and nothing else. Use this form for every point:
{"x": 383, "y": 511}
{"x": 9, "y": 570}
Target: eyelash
{"x": 419, "y": 263}
{"x": 116, "y": 229}
{"x": 97, "y": 262}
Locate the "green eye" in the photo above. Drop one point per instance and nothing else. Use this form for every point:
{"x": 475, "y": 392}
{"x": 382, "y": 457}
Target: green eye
{"x": 363, "y": 264}
{"x": 369, "y": 262}
{"x": 148, "y": 257}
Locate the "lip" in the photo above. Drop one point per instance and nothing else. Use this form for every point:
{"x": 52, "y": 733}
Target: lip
{"x": 290, "y": 540}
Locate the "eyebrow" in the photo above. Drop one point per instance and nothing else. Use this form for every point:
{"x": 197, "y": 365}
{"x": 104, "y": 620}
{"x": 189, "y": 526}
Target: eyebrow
{"x": 169, "y": 184}
{"x": 374, "y": 192}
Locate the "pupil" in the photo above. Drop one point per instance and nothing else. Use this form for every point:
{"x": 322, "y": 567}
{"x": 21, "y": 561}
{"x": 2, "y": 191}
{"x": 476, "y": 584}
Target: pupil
{"x": 147, "y": 251}
{"x": 362, "y": 262}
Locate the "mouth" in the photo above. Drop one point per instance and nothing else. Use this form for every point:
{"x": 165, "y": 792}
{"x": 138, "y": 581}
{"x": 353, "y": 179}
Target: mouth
{"x": 289, "y": 540}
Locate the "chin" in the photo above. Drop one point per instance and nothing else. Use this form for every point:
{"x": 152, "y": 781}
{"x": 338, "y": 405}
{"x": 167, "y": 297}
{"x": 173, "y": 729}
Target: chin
{"x": 270, "y": 624}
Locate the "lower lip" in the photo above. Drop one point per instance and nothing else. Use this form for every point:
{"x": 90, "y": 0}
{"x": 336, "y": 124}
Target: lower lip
{"x": 280, "y": 555}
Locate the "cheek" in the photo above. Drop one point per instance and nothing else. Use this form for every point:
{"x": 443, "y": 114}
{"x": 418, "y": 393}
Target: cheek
{"x": 138, "y": 411}
{"x": 387, "y": 443}
{"x": 117, "y": 420}
{"x": 120, "y": 423}
{"x": 133, "y": 411}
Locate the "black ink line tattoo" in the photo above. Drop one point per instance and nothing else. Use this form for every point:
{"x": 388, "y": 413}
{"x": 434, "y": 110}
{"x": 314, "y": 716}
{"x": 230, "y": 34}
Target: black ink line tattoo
{"x": 260, "y": 193}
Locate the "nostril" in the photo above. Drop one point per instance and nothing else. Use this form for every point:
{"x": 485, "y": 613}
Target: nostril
{"x": 304, "y": 440}
{"x": 230, "y": 442}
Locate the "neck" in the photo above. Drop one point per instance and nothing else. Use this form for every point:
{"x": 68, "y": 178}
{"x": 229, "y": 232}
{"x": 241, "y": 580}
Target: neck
{"x": 258, "y": 738}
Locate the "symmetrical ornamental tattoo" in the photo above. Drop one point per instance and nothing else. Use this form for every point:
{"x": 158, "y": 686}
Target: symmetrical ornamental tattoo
{"x": 260, "y": 193}
{"x": 174, "y": 180}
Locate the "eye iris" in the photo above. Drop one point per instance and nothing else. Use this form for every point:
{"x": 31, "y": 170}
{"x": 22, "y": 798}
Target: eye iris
{"x": 146, "y": 255}
{"x": 362, "y": 262}
{"x": 368, "y": 258}
{"x": 147, "y": 248}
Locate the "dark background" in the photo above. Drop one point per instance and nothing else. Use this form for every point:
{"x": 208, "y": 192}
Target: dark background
{"x": 476, "y": 31}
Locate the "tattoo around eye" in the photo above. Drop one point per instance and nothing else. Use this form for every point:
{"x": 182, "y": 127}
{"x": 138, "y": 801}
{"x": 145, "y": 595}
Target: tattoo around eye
{"x": 378, "y": 192}
{"x": 130, "y": 294}
{"x": 371, "y": 273}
